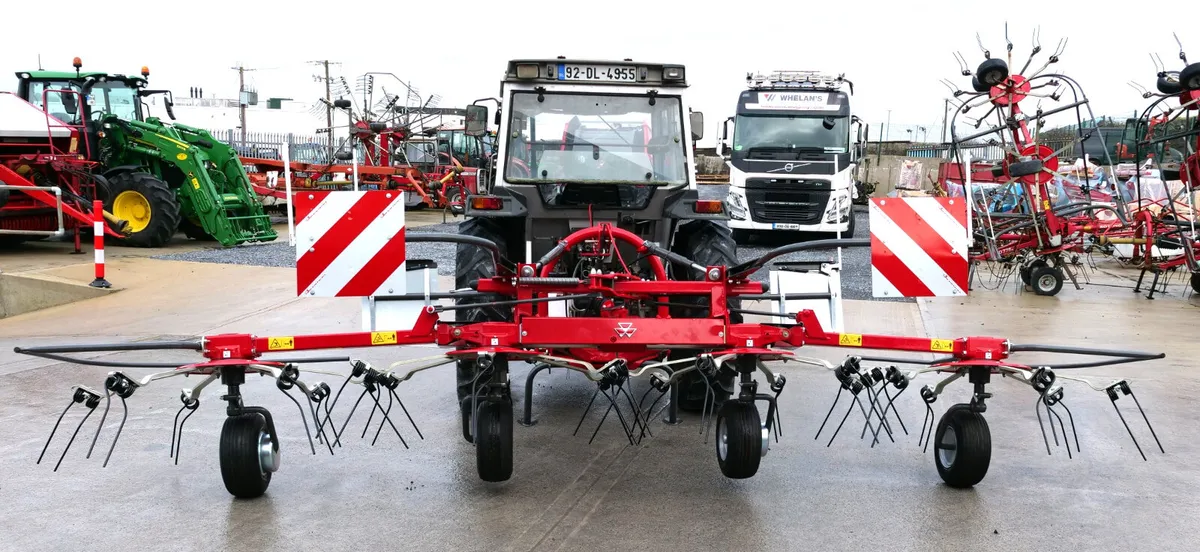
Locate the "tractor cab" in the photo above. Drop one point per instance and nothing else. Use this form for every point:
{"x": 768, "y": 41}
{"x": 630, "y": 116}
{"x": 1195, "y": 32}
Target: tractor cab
{"x": 86, "y": 98}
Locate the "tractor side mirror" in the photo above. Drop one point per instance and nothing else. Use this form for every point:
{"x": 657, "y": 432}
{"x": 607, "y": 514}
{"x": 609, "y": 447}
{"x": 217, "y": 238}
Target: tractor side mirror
{"x": 476, "y": 120}
{"x": 68, "y": 101}
{"x": 697, "y": 122}
{"x": 169, "y": 102}
{"x": 496, "y": 120}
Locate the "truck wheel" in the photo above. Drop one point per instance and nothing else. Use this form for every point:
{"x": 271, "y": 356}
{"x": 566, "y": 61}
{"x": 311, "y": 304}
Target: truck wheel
{"x": 473, "y": 263}
{"x": 709, "y": 243}
{"x": 964, "y": 447}
{"x": 147, "y": 205}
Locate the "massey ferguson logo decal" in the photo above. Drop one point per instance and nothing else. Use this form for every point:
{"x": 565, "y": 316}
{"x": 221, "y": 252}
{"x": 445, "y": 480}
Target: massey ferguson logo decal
{"x": 625, "y": 329}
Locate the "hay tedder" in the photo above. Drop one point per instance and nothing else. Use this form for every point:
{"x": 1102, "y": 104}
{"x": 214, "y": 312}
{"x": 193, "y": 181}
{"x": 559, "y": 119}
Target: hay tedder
{"x": 1035, "y": 216}
{"x": 1163, "y": 236}
{"x": 641, "y": 310}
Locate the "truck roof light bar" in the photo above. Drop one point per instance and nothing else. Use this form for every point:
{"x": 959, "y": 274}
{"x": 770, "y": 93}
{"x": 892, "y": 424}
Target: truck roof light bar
{"x": 813, "y": 80}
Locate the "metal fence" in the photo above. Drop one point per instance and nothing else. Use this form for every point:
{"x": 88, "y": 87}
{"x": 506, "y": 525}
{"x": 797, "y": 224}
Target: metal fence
{"x": 1066, "y": 149}
{"x": 266, "y": 145}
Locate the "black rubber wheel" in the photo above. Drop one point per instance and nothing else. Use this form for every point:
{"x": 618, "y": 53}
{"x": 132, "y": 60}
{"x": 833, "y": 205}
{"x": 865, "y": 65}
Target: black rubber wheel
{"x": 740, "y": 438}
{"x": 979, "y": 86}
{"x": 473, "y": 263}
{"x": 193, "y": 230}
{"x": 1027, "y": 271}
{"x": 1046, "y": 280}
{"x": 148, "y": 205}
{"x": 494, "y": 440}
{"x": 962, "y": 447}
{"x": 246, "y": 466}
{"x": 1189, "y": 78}
{"x": 1196, "y": 282}
{"x": 1168, "y": 86}
{"x": 709, "y": 243}
{"x": 992, "y": 72}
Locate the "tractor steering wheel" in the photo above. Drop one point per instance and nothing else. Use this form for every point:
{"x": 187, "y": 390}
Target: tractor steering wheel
{"x": 522, "y": 169}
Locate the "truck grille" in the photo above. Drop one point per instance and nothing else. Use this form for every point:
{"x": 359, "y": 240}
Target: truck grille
{"x": 787, "y": 206}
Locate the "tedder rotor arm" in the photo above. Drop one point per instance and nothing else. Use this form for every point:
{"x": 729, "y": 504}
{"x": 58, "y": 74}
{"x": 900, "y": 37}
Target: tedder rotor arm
{"x": 11, "y": 178}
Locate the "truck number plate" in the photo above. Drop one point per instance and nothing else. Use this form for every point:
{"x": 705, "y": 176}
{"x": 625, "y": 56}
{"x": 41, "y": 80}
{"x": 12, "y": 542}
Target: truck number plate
{"x": 600, "y": 73}
{"x": 785, "y": 226}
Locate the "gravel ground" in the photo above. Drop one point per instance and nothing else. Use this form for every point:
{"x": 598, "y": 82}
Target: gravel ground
{"x": 856, "y": 263}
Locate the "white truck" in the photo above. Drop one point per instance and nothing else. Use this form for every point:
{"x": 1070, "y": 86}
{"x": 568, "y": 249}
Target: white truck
{"x": 795, "y": 154}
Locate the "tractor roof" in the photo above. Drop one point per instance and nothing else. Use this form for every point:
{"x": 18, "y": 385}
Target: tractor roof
{"x": 70, "y": 75}
{"x": 596, "y": 72}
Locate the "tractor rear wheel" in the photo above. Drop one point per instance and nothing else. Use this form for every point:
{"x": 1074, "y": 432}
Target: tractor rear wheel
{"x": 709, "y": 243}
{"x": 474, "y": 263}
{"x": 147, "y": 205}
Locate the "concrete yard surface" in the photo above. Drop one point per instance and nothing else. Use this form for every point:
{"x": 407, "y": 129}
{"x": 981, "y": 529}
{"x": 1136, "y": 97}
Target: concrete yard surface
{"x": 667, "y": 493}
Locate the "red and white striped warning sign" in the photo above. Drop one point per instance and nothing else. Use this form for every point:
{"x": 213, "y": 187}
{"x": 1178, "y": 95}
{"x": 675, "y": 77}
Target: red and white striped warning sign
{"x": 349, "y": 244}
{"x": 919, "y": 246}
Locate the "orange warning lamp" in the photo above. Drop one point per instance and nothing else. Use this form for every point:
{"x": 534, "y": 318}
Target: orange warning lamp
{"x": 145, "y": 71}
{"x": 76, "y": 63}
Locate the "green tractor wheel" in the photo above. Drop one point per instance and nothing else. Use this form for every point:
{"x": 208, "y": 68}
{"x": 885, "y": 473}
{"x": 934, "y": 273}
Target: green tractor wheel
{"x": 148, "y": 207}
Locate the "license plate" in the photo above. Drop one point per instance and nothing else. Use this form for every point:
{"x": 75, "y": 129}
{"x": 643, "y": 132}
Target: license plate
{"x": 785, "y": 226}
{"x": 600, "y": 73}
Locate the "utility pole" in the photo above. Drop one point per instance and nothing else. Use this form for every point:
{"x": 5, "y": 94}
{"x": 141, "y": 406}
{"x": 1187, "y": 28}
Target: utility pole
{"x": 242, "y": 98}
{"x": 328, "y": 100}
{"x": 945, "y": 117}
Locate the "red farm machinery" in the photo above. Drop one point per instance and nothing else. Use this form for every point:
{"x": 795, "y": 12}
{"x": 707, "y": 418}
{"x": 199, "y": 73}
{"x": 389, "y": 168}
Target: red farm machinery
{"x": 1033, "y": 214}
{"x": 47, "y": 182}
{"x": 619, "y": 273}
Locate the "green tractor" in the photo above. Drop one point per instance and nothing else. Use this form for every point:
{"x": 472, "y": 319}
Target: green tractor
{"x": 161, "y": 177}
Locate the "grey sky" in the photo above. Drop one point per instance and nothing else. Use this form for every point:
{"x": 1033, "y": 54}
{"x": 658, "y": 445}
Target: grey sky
{"x": 894, "y": 52}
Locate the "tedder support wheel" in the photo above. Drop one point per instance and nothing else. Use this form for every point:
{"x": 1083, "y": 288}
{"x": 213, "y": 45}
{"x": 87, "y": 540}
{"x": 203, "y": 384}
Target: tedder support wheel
{"x": 1027, "y": 271}
{"x": 147, "y": 205}
{"x": 963, "y": 447}
{"x": 1046, "y": 280}
{"x": 1196, "y": 282}
{"x": 741, "y": 439}
{"x": 494, "y": 440}
{"x": 473, "y": 263}
{"x": 248, "y": 455}
{"x": 709, "y": 243}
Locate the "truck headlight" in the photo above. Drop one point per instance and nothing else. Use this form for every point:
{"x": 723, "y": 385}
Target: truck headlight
{"x": 737, "y": 205}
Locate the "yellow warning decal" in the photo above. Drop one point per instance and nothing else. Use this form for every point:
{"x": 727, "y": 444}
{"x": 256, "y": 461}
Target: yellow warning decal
{"x": 281, "y": 343}
{"x": 196, "y": 183}
{"x": 383, "y": 338}
{"x": 181, "y": 156}
{"x": 1046, "y": 204}
{"x": 943, "y": 345}
{"x": 850, "y": 340}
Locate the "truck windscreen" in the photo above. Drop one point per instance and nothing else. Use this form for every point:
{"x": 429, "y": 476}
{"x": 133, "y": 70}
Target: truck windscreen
{"x": 595, "y": 138}
{"x": 790, "y": 131}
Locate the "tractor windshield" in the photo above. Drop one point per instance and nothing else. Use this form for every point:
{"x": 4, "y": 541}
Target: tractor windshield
{"x": 595, "y": 138}
{"x": 113, "y": 98}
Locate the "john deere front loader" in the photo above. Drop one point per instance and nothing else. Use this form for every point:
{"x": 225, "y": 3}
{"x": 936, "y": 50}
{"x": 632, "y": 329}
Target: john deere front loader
{"x": 162, "y": 178}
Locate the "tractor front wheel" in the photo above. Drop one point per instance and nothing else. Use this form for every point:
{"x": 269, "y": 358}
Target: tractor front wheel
{"x": 148, "y": 207}
{"x": 709, "y": 243}
{"x": 474, "y": 263}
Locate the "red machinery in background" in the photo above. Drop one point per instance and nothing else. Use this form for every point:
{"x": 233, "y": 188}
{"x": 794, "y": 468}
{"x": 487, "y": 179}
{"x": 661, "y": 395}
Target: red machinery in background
{"x": 46, "y": 184}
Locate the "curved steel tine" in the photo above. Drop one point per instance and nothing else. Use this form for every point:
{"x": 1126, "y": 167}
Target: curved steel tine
{"x": 303, "y": 419}
{"x": 107, "y": 404}
{"x": 410, "y": 419}
{"x": 124, "y": 416}
{"x": 179, "y": 443}
{"x": 72, "y": 440}
{"x": 52, "y": 431}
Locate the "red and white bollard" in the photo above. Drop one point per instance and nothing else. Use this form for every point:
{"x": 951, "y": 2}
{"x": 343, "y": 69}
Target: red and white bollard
{"x": 98, "y": 243}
